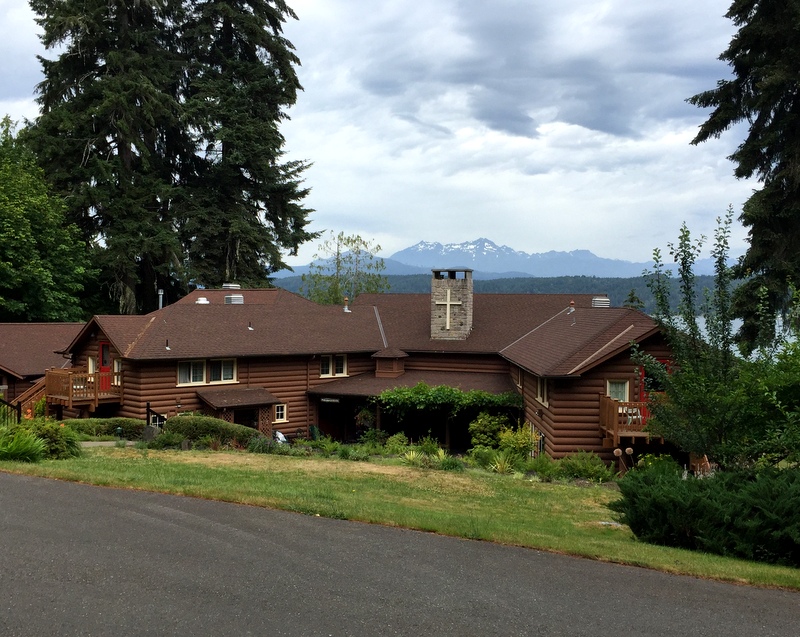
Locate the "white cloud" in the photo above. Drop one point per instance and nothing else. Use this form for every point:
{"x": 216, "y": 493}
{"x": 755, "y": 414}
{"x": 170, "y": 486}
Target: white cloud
{"x": 542, "y": 126}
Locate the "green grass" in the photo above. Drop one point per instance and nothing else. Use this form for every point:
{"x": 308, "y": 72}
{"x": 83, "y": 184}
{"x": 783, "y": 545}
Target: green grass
{"x": 473, "y": 504}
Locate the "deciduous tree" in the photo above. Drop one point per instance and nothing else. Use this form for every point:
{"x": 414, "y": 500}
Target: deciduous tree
{"x": 345, "y": 266}
{"x": 43, "y": 265}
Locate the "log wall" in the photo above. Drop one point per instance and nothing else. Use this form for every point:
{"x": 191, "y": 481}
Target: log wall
{"x": 571, "y": 419}
{"x": 288, "y": 378}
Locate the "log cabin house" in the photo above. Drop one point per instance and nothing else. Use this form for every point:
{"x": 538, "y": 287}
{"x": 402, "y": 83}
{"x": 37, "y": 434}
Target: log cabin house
{"x": 270, "y": 359}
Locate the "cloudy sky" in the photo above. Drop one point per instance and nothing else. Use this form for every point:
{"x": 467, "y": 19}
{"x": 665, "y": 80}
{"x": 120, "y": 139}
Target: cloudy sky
{"x": 539, "y": 124}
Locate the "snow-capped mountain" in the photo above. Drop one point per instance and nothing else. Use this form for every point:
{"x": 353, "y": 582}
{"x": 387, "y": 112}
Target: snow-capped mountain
{"x": 486, "y": 256}
{"x": 490, "y": 261}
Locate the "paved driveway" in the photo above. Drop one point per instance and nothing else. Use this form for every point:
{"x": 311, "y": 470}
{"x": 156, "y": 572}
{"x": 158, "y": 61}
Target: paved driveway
{"x": 82, "y": 560}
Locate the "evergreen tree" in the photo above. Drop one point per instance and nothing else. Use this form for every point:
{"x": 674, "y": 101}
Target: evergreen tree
{"x": 244, "y": 202}
{"x": 159, "y": 126}
{"x": 764, "y": 93}
{"x": 109, "y": 135}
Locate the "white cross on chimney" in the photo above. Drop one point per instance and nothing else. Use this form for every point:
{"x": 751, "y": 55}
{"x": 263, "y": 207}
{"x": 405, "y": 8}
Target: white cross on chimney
{"x": 448, "y": 303}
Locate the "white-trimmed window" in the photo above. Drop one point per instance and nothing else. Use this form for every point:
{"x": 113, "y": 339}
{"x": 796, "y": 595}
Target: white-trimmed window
{"x": 222, "y": 370}
{"x": 333, "y": 365}
{"x": 516, "y": 375}
{"x": 541, "y": 390}
{"x": 280, "y": 413}
{"x": 116, "y": 379}
{"x": 618, "y": 390}
{"x": 191, "y": 372}
{"x": 91, "y": 364}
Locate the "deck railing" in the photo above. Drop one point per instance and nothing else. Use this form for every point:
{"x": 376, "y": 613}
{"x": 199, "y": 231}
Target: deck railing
{"x": 622, "y": 418}
{"x": 73, "y": 387}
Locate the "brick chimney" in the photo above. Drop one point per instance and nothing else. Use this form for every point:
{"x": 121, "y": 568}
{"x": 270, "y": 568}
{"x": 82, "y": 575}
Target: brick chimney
{"x": 451, "y": 304}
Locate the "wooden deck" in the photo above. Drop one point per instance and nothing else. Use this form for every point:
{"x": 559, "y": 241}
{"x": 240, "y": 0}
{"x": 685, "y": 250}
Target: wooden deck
{"x": 620, "y": 420}
{"x": 72, "y": 388}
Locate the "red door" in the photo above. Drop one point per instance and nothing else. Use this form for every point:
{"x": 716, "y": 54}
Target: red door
{"x": 105, "y": 367}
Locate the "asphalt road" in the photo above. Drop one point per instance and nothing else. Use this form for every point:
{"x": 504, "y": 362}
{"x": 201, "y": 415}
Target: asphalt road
{"x": 82, "y": 560}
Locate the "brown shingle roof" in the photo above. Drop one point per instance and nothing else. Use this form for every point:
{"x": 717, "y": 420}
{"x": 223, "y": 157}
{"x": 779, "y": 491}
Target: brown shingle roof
{"x": 572, "y": 342}
{"x": 535, "y": 331}
{"x": 234, "y": 397}
{"x": 271, "y": 322}
{"x": 28, "y": 349}
{"x": 498, "y": 319}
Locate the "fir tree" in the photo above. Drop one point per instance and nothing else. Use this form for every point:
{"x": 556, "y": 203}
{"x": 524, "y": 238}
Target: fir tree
{"x": 245, "y": 201}
{"x": 765, "y": 59}
{"x": 159, "y": 125}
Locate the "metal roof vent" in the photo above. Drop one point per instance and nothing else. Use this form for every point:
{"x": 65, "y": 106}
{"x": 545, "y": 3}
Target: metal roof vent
{"x": 201, "y": 300}
{"x": 231, "y": 286}
{"x": 234, "y": 299}
{"x": 601, "y": 301}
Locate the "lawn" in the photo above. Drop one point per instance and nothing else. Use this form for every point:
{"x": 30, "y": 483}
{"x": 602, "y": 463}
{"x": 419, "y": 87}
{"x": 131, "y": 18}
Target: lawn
{"x": 565, "y": 518}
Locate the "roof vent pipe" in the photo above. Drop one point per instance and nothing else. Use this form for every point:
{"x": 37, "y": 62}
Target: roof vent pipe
{"x": 160, "y": 298}
{"x": 346, "y": 306}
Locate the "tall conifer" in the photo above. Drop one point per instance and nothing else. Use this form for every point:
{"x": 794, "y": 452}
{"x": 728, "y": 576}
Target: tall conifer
{"x": 159, "y": 125}
{"x": 764, "y": 93}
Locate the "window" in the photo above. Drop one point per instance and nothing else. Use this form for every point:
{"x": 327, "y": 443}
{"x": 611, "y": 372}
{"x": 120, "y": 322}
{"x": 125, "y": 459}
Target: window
{"x": 191, "y": 372}
{"x": 280, "y": 413}
{"x": 541, "y": 390}
{"x": 333, "y": 365}
{"x": 222, "y": 371}
{"x": 618, "y": 390}
{"x": 116, "y": 379}
{"x": 91, "y": 365}
{"x": 339, "y": 365}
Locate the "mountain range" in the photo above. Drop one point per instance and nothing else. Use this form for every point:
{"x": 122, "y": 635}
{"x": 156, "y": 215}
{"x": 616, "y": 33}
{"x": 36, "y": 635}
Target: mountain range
{"x": 490, "y": 261}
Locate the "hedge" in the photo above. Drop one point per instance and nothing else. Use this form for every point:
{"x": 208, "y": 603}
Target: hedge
{"x": 746, "y": 514}
{"x": 131, "y": 427}
{"x": 195, "y": 427}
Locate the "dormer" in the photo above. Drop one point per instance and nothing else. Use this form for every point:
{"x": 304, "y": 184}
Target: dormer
{"x": 389, "y": 363}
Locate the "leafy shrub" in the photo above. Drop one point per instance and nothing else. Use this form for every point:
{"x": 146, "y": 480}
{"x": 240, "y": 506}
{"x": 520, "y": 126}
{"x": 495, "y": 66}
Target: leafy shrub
{"x": 132, "y": 428}
{"x": 300, "y": 452}
{"x": 480, "y": 456}
{"x": 167, "y": 440}
{"x": 21, "y": 446}
{"x": 504, "y": 462}
{"x": 343, "y": 452}
{"x": 261, "y": 444}
{"x": 327, "y": 445}
{"x": 485, "y": 429}
{"x": 522, "y": 440}
{"x": 451, "y": 463}
{"x": 358, "y": 455}
{"x": 585, "y": 465}
{"x": 428, "y": 445}
{"x": 413, "y": 458}
{"x": 373, "y": 435}
{"x": 397, "y": 443}
{"x": 195, "y": 427}
{"x": 60, "y": 441}
{"x": 544, "y": 468}
{"x": 746, "y": 514}
{"x": 40, "y": 407}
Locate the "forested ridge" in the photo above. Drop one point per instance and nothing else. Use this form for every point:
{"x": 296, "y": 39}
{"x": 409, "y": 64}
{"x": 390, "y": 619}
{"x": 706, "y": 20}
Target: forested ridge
{"x": 617, "y": 289}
